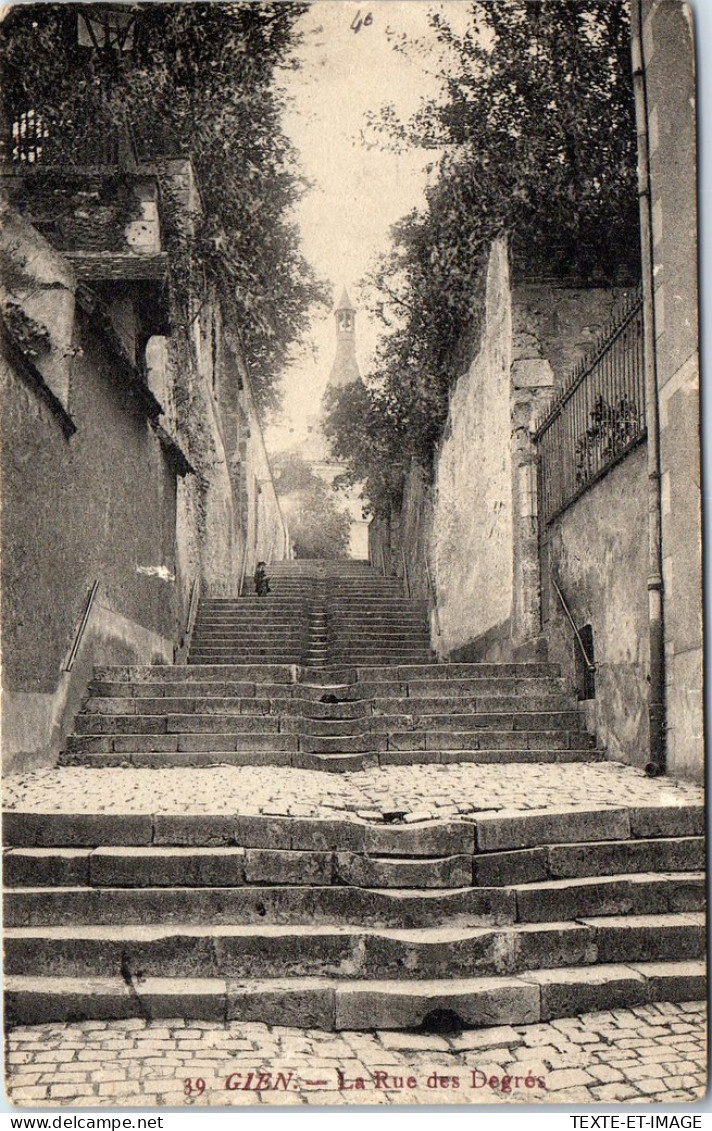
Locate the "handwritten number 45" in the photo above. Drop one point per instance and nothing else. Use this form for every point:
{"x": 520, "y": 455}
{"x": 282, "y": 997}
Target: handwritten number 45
{"x": 357, "y": 23}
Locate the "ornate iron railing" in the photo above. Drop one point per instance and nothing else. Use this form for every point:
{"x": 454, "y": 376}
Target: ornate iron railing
{"x": 597, "y": 418}
{"x": 32, "y": 141}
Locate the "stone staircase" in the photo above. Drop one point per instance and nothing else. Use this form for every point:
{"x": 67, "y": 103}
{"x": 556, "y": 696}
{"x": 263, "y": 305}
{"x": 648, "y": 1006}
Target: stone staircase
{"x": 312, "y": 677}
{"x": 355, "y": 921}
{"x": 507, "y": 919}
{"x": 328, "y": 718}
{"x": 328, "y": 613}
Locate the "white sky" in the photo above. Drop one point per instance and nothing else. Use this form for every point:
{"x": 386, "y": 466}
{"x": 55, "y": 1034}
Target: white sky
{"x": 359, "y": 190}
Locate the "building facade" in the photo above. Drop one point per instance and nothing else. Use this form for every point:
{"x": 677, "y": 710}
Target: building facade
{"x": 133, "y": 469}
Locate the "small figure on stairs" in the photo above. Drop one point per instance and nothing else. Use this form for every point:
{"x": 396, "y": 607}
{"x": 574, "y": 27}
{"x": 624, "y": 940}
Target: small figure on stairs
{"x": 261, "y": 580}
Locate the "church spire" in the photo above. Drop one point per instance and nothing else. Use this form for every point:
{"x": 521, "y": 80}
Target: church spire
{"x": 345, "y": 369}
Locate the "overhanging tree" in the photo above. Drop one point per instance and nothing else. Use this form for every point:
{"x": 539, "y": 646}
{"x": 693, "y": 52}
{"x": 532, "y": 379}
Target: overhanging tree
{"x": 318, "y": 527}
{"x": 198, "y": 80}
{"x": 534, "y": 135}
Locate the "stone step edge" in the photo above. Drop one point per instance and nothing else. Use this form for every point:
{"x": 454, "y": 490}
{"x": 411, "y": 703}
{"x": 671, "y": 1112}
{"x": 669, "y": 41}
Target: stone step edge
{"x": 397, "y": 722}
{"x": 505, "y": 905}
{"x": 362, "y": 952}
{"x": 489, "y": 831}
{"x": 331, "y": 1004}
{"x": 147, "y": 933}
{"x": 421, "y": 671}
{"x": 327, "y": 763}
{"x": 537, "y": 865}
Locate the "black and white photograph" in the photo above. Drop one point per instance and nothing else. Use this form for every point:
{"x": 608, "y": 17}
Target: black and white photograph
{"x": 351, "y": 555}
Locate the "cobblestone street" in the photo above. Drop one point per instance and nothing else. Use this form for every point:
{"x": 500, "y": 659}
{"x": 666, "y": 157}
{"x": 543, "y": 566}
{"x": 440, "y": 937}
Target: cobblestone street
{"x": 420, "y": 792}
{"x": 649, "y": 1053}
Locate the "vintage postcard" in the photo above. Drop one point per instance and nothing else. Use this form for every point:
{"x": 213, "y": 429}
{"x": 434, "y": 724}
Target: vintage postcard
{"x": 351, "y": 554}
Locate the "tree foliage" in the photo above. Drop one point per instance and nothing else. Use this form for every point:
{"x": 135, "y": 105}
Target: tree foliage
{"x": 318, "y": 527}
{"x": 198, "y": 80}
{"x": 534, "y": 137}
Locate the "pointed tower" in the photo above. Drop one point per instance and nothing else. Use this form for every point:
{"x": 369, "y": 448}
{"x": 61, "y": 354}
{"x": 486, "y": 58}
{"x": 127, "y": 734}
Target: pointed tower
{"x": 345, "y": 369}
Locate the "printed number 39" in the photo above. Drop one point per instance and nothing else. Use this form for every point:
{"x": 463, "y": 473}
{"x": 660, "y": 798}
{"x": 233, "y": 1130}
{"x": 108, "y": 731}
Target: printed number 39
{"x": 194, "y": 1086}
{"x": 357, "y": 23}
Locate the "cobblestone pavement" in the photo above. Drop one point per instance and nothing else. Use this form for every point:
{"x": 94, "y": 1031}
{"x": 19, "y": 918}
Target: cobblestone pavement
{"x": 423, "y": 792}
{"x": 652, "y": 1053}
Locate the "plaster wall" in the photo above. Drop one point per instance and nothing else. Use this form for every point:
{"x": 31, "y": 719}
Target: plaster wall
{"x": 103, "y": 503}
{"x": 270, "y": 538}
{"x": 472, "y": 527}
{"x": 39, "y": 280}
{"x": 598, "y": 551}
{"x": 99, "y": 505}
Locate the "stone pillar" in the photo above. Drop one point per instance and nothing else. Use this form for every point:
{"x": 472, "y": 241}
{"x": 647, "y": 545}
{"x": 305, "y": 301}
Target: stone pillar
{"x": 532, "y": 382}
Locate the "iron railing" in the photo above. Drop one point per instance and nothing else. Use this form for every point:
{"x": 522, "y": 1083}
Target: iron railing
{"x": 598, "y": 416}
{"x": 81, "y": 628}
{"x": 32, "y": 141}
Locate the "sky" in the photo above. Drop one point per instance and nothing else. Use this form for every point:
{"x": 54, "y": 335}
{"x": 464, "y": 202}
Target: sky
{"x": 359, "y": 189}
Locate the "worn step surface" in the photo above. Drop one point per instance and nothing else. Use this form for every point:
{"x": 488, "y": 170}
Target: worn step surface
{"x": 334, "y": 1004}
{"x": 475, "y": 858}
{"x": 268, "y": 950}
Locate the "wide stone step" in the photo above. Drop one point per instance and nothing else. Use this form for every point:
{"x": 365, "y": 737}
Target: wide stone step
{"x": 257, "y": 904}
{"x": 329, "y": 762}
{"x": 244, "y": 656}
{"x": 233, "y": 866}
{"x": 257, "y": 633}
{"x": 362, "y": 648}
{"x": 253, "y": 753}
{"x": 176, "y": 724}
{"x": 364, "y": 635}
{"x": 488, "y": 832}
{"x": 444, "y": 741}
{"x": 202, "y": 705}
{"x": 240, "y": 648}
{"x": 165, "y": 673}
{"x": 239, "y": 604}
{"x": 79, "y": 744}
{"x": 184, "y": 688}
{"x": 552, "y": 901}
{"x": 255, "y": 614}
{"x": 383, "y": 658}
{"x": 471, "y": 731}
{"x": 421, "y": 724}
{"x": 418, "y": 676}
{"x": 227, "y": 704}
{"x": 471, "y": 704}
{"x": 437, "y": 696}
{"x": 254, "y": 625}
{"x": 184, "y": 950}
{"x": 334, "y": 1004}
{"x": 379, "y": 624}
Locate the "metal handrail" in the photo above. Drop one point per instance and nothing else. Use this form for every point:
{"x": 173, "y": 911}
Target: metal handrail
{"x": 88, "y": 605}
{"x": 191, "y": 611}
{"x": 586, "y": 658}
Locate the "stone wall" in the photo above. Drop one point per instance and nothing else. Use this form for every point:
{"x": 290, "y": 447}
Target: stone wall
{"x": 478, "y": 526}
{"x": 269, "y": 536}
{"x": 472, "y": 521}
{"x": 598, "y": 550}
{"x": 96, "y": 504}
{"x": 132, "y": 474}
